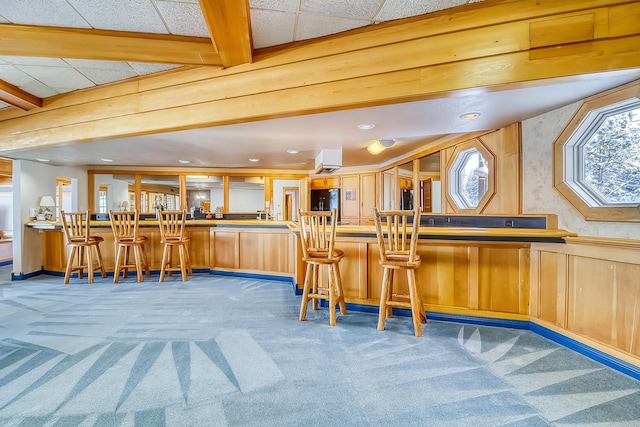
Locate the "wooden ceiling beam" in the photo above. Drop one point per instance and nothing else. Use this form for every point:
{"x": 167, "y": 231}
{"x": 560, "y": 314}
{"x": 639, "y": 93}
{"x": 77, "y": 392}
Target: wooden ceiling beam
{"x": 229, "y": 24}
{"x": 57, "y": 42}
{"x": 15, "y": 96}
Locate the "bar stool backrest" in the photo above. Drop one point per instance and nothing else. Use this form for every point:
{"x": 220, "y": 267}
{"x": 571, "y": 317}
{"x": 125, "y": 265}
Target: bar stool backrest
{"x": 397, "y": 233}
{"x": 171, "y": 224}
{"x": 76, "y": 226}
{"x": 124, "y": 225}
{"x": 317, "y": 233}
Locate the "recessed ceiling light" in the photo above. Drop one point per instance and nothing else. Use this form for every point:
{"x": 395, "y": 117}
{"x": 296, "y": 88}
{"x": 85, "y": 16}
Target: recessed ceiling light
{"x": 366, "y": 126}
{"x": 254, "y": 160}
{"x": 42, "y": 160}
{"x": 107, "y": 160}
{"x": 470, "y": 116}
{"x": 184, "y": 161}
{"x": 293, "y": 151}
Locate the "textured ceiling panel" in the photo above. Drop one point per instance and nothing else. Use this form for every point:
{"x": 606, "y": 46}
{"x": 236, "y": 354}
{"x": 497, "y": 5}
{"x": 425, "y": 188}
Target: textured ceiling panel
{"x": 124, "y": 15}
{"x": 271, "y": 27}
{"x": 395, "y": 9}
{"x": 362, "y": 9}
{"x": 284, "y": 5}
{"x": 143, "y": 68}
{"x": 59, "y": 78}
{"x": 54, "y": 13}
{"x": 311, "y": 25}
{"x": 185, "y": 19}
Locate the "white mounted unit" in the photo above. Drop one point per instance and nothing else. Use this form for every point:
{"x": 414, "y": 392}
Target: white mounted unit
{"x": 328, "y": 161}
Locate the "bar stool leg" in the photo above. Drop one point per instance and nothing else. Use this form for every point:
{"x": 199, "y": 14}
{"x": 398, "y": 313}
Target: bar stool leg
{"x": 314, "y": 282}
{"x": 67, "y": 271}
{"x": 338, "y": 282}
{"x": 305, "y": 293}
{"x": 117, "y": 268}
{"x": 384, "y": 296}
{"x": 415, "y": 304}
{"x": 163, "y": 266}
{"x": 138, "y": 258}
{"x": 332, "y": 295}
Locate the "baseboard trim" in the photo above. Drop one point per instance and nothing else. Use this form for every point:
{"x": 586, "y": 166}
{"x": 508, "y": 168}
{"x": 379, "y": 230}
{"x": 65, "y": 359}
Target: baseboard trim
{"x": 255, "y": 276}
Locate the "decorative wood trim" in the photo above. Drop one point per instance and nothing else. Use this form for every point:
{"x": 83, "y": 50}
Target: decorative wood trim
{"x": 17, "y": 97}
{"x": 230, "y": 28}
{"x": 58, "y": 42}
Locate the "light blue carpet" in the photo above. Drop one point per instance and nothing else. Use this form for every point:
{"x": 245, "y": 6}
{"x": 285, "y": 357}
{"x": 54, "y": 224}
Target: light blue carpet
{"x": 220, "y": 351}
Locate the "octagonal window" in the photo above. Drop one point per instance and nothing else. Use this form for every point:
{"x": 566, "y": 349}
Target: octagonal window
{"x": 468, "y": 178}
{"x": 603, "y": 156}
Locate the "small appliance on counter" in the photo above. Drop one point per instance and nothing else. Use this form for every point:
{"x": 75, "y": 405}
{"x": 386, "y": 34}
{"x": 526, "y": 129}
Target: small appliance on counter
{"x": 198, "y": 213}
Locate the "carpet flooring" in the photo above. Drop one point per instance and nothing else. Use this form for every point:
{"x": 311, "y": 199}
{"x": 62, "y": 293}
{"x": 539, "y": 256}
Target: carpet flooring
{"x": 225, "y": 351}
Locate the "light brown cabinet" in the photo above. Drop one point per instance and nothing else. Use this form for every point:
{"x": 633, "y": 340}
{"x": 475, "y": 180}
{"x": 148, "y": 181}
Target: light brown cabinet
{"x": 358, "y": 198}
{"x": 325, "y": 183}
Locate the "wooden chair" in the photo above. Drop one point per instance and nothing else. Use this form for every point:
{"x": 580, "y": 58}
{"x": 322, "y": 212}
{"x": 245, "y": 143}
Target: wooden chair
{"x": 77, "y": 231}
{"x": 317, "y": 237}
{"x": 172, "y": 235}
{"x": 126, "y": 239}
{"x": 397, "y": 233}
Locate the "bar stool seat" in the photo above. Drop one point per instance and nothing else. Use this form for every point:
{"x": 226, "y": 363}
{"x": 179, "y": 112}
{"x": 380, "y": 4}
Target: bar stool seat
{"x": 78, "y": 238}
{"x": 397, "y": 234}
{"x": 317, "y": 237}
{"x": 124, "y": 225}
{"x": 172, "y": 235}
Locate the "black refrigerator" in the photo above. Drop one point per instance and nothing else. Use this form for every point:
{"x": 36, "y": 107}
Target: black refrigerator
{"x": 325, "y": 200}
{"x": 406, "y": 199}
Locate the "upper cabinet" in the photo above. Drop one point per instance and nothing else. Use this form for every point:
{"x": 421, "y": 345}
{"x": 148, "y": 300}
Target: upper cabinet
{"x": 325, "y": 183}
{"x": 358, "y": 198}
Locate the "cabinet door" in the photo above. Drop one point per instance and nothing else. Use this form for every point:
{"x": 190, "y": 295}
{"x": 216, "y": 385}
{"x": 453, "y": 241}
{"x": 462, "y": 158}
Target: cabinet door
{"x": 368, "y": 197}
{"x": 351, "y": 196}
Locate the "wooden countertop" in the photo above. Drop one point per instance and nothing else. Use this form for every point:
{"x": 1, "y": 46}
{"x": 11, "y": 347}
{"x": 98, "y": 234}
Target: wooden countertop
{"x": 434, "y": 233}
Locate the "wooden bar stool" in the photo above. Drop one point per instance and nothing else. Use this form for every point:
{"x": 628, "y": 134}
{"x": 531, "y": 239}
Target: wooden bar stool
{"x": 172, "y": 235}
{"x": 397, "y": 232}
{"x": 126, "y": 239}
{"x": 317, "y": 236}
{"x": 77, "y": 231}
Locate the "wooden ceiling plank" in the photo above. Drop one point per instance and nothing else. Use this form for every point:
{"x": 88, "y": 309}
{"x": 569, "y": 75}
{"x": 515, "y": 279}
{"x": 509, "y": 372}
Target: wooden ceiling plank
{"x": 15, "y": 96}
{"x": 229, "y": 24}
{"x": 56, "y": 42}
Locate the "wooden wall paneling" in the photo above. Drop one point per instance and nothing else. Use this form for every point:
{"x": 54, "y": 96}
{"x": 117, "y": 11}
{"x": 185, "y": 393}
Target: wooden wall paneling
{"x": 547, "y": 273}
{"x": 534, "y": 284}
{"x": 474, "y": 277}
{"x": 350, "y": 267}
{"x": 226, "y": 249}
{"x": 591, "y": 298}
{"x": 363, "y": 270}
{"x": 443, "y": 276}
{"x": 251, "y": 252}
{"x": 562, "y": 291}
{"x": 500, "y": 279}
{"x": 199, "y": 247}
{"x": 627, "y": 331}
{"x": 276, "y": 252}
{"x": 54, "y": 254}
{"x": 524, "y": 286}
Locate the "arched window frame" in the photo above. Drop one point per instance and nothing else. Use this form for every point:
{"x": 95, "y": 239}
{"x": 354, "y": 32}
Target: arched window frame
{"x": 568, "y": 155}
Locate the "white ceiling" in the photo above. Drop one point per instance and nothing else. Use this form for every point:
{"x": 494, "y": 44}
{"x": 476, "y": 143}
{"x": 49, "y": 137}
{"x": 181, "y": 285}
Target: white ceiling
{"x": 273, "y": 22}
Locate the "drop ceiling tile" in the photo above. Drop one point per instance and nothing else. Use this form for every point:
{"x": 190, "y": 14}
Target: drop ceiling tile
{"x": 311, "y": 25}
{"x": 14, "y": 76}
{"x": 184, "y": 19}
{"x": 54, "y": 13}
{"x": 395, "y": 9}
{"x": 270, "y": 27}
{"x": 100, "y": 65}
{"x": 143, "y": 68}
{"x": 99, "y": 77}
{"x": 34, "y": 87}
{"x": 3, "y": 20}
{"x": 34, "y": 60}
{"x": 358, "y": 9}
{"x": 121, "y": 15}
{"x": 283, "y": 5}
{"x": 57, "y": 77}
